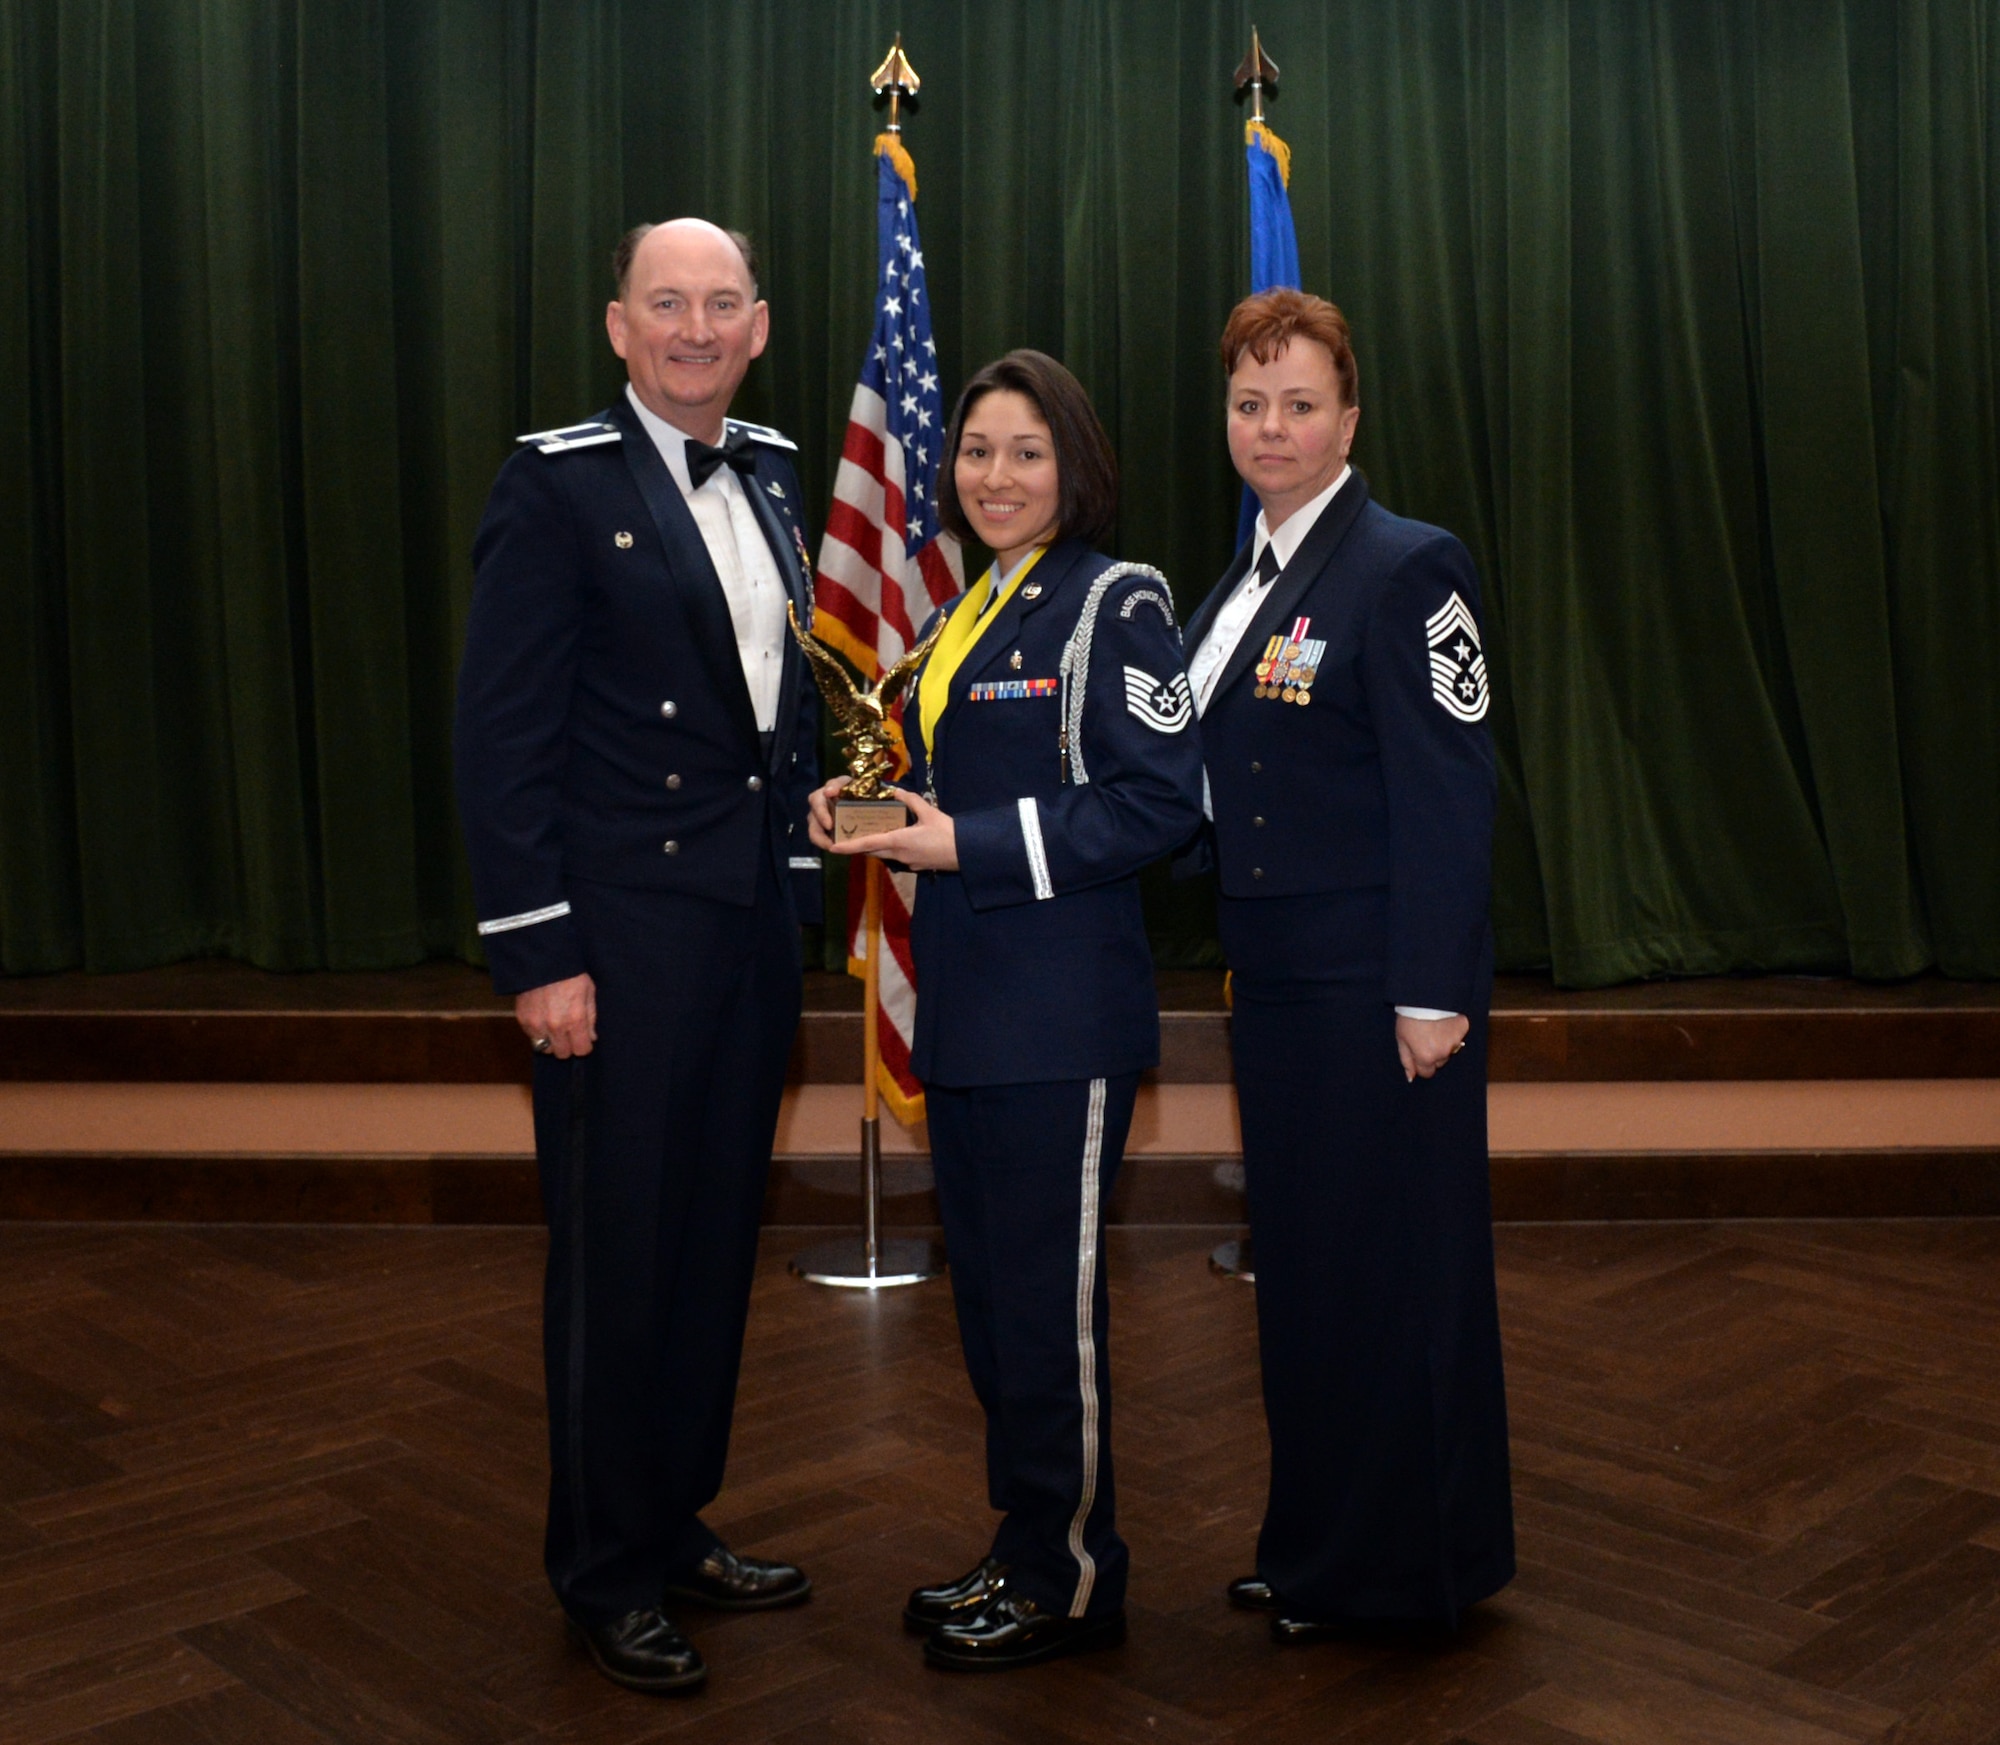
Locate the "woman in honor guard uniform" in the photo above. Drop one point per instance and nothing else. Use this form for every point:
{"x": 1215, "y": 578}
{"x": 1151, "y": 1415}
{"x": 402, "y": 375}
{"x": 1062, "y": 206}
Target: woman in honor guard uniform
{"x": 1052, "y": 756}
{"x": 1342, "y": 695}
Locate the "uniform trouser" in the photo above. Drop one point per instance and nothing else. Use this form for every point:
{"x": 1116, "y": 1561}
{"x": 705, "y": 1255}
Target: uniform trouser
{"x": 1023, "y": 1172}
{"x": 654, "y": 1150}
{"x": 1377, "y": 1321}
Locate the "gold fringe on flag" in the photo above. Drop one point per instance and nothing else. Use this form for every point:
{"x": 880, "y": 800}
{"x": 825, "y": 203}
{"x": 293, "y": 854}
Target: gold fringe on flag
{"x": 1255, "y": 131}
{"x": 887, "y": 145}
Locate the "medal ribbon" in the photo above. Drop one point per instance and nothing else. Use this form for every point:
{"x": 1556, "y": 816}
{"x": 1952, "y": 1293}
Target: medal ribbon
{"x": 962, "y": 632}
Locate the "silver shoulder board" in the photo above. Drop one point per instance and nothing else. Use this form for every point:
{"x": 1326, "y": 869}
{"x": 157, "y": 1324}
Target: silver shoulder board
{"x": 586, "y": 435}
{"x": 762, "y": 433}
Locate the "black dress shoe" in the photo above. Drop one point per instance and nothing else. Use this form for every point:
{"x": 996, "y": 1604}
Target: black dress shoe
{"x": 1013, "y": 1631}
{"x": 1252, "y": 1593}
{"x": 954, "y": 1602}
{"x": 725, "y": 1582}
{"x": 644, "y": 1651}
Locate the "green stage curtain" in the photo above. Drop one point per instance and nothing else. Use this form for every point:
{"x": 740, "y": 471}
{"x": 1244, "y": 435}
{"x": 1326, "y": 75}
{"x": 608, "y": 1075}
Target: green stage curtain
{"x": 1682, "y": 313}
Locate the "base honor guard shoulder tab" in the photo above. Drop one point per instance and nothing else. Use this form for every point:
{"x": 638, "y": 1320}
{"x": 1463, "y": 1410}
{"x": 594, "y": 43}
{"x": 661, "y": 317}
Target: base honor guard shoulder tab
{"x": 762, "y": 433}
{"x": 585, "y": 435}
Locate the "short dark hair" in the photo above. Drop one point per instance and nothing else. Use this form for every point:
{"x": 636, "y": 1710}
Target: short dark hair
{"x": 1086, "y": 467}
{"x": 1264, "y": 324}
{"x": 628, "y": 246}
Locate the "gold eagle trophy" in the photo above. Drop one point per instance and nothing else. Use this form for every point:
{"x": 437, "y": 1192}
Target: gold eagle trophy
{"x": 862, "y": 725}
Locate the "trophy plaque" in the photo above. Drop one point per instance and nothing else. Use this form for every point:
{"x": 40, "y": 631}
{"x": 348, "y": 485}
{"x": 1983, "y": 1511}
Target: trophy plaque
{"x": 856, "y": 818}
{"x": 866, "y": 807}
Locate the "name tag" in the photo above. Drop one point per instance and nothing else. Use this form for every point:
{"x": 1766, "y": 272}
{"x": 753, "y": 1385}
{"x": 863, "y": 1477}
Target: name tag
{"x": 1012, "y": 690}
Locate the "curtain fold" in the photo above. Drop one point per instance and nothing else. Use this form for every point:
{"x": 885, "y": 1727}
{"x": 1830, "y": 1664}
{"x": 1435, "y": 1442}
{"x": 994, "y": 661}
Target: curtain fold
{"x": 1684, "y": 314}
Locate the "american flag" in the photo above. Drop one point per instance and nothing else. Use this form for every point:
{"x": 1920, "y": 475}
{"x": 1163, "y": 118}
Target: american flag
{"x": 883, "y": 564}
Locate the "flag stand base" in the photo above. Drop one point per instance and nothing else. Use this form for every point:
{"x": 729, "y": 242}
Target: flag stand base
{"x": 902, "y": 1260}
{"x": 868, "y": 1262}
{"x": 1233, "y": 1259}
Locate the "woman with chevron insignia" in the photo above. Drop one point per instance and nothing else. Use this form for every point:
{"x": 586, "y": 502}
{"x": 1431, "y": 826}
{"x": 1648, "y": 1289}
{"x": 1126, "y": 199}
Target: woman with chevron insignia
{"x": 1343, "y": 694}
{"x": 1053, "y": 754}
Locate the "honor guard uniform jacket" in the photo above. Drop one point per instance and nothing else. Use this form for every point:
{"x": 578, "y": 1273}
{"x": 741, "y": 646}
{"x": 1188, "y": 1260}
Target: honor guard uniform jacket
{"x": 604, "y": 728}
{"x": 1067, "y": 758}
{"x": 1346, "y": 743}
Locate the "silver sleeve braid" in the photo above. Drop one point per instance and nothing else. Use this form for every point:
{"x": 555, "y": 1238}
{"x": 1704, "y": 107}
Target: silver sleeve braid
{"x": 1075, "y": 668}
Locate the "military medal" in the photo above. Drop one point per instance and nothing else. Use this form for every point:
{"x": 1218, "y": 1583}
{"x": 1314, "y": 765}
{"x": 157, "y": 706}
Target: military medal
{"x": 1290, "y": 664}
{"x": 805, "y": 562}
{"x": 1271, "y": 649}
{"x": 1264, "y": 666}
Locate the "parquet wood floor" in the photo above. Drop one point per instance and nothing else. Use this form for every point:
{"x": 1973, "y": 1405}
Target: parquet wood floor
{"x": 284, "y": 1486}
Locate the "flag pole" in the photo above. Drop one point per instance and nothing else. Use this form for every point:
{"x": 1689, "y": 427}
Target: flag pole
{"x": 1234, "y": 1259}
{"x": 875, "y": 1263}
{"x": 871, "y": 1068}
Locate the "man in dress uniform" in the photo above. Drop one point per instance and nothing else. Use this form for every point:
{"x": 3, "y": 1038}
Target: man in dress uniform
{"x": 635, "y": 741}
{"x": 1338, "y": 674}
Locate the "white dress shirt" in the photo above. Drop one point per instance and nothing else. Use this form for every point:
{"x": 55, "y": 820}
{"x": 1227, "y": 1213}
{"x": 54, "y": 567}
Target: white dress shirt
{"x": 1205, "y": 669}
{"x": 743, "y": 563}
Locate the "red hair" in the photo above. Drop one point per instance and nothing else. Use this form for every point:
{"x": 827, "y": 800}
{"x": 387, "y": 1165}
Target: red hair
{"x": 1265, "y": 324}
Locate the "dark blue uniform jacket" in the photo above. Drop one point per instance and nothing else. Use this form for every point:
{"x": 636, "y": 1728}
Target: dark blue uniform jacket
{"x": 1032, "y": 959}
{"x": 1378, "y": 770}
{"x": 604, "y": 729}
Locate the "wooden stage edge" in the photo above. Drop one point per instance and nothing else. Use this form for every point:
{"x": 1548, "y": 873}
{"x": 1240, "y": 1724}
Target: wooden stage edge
{"x": 1154, "y": 1191}
{"x": 440, "y": 1023}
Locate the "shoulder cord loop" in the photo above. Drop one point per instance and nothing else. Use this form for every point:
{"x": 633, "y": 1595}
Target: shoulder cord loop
{"x": 1075, "y": 668}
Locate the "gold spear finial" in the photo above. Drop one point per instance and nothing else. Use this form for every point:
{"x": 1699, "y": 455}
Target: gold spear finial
{"x": 896, "y": 76}
{"x": 1257, "y": 71}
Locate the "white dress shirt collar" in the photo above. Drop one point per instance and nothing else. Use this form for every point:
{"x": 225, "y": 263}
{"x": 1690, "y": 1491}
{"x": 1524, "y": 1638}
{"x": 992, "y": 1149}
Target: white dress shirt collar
{"x": 670, "y": 440}
{"x": 1297, "y": 525}
{"x": 1001, "y": 577}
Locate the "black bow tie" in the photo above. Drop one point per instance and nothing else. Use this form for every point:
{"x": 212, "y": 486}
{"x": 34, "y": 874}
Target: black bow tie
{"x": 736, "y": 451}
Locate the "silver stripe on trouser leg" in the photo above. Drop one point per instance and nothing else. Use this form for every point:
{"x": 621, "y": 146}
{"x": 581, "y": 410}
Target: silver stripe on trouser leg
{"x": 1086, "y": 1343}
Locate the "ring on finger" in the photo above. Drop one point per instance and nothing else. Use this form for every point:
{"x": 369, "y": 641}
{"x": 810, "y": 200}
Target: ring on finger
{"x": 544, "y": 1045}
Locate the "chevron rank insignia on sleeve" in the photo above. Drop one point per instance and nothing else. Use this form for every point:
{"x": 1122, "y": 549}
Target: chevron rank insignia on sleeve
{"x": 1458, "y": 668}
{"x": 1165, "y": 705}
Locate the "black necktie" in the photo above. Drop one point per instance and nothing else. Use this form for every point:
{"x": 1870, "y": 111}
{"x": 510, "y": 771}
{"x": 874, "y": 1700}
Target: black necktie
{"x": 736, "y": 451}
{"x": 1268, "y": 565}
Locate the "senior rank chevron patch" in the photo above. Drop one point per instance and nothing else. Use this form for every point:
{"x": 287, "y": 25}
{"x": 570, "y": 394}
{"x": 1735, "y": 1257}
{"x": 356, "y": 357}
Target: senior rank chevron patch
{"x": 1458, "y": 668}
{"x": 1165, "y": 705}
